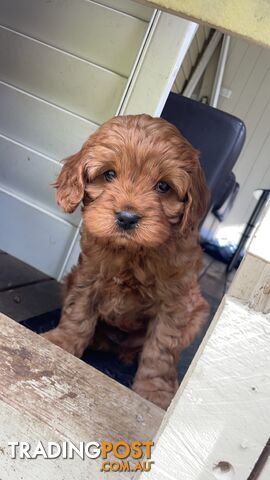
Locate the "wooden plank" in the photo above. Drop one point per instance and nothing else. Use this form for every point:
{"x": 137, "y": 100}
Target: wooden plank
{"x": 41, "y": 126}
{"x": 218, "y": 421}
{"x": 14, "y": 273}
{"x": 225, "y": 16}
{"x": 170, "y": 38}
{"x": 34, "y": 236}
{"x": 59, "y": 78}
{"x": 20, "y": 165}
{"x": 29, "y": 301}
{"x": 85, "y": 29}
{"x": 53, "y": 396}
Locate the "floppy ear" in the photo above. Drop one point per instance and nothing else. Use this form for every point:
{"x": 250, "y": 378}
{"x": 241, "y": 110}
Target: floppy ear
{"x": 197, "y": 199}
{"x": 70, "y": 182}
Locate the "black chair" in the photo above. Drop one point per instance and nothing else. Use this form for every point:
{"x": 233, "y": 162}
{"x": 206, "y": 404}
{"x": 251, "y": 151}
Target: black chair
{"x": 219, "y": 137}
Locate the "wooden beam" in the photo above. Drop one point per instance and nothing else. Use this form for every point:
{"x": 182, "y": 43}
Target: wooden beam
{"x": 247, "y": 18}
{"x": 158, "y": 63}
{"x": 48, "y": 395}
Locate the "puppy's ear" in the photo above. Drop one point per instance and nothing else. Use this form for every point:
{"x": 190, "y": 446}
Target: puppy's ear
{"x": 196, "y": 200}
{"x": 70, "y": 182}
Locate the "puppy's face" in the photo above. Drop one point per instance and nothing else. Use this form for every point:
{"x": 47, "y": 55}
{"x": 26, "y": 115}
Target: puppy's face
{"x": 140, "y": 182}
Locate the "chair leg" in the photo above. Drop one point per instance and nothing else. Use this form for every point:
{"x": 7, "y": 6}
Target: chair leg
{"x": 249, "y": 229}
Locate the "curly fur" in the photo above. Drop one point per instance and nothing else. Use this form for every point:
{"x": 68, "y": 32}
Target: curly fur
{"x": 135, "y": 292}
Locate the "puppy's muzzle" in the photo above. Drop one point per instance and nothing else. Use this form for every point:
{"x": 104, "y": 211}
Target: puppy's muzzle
{"x": 127, "y": 219}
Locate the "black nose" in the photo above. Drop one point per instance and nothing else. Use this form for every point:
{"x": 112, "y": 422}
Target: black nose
{"x": 127, "y": 220}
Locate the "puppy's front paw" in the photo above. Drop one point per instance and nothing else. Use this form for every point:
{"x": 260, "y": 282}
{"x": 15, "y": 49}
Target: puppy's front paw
{"x": 162, "y": 398}
{"x": 60, "y": 339}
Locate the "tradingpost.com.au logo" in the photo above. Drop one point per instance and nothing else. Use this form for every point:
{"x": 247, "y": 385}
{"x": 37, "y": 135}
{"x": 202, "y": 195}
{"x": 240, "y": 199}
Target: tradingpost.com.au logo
{"x": 128, "y": 457}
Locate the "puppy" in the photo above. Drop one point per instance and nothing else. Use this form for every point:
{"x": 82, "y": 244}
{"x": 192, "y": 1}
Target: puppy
{"x": 135, "y": 288}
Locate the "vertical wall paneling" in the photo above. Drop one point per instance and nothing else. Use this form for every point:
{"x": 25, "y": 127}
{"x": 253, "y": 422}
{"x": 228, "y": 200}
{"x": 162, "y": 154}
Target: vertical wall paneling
{"x": 37, "y": 237}
{"x": 247, "y": 77}
{"x": 19, "y": 165}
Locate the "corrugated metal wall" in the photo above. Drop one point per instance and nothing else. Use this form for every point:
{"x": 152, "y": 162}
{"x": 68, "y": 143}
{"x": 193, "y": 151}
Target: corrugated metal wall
{"x": 64, "y": 68}
{"x": 247, "y": 75}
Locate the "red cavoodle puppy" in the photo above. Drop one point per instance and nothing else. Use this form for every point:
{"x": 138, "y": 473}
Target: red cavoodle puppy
{"x": 134, "y": 289}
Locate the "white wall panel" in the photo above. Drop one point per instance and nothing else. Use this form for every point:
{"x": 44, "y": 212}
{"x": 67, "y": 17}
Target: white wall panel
{"x": 30, "y": 175}
{"x": 247, "y": 75}
{"x": 94, "y": 32}
{"x": 130, "y": 7}
{"x": 244, "y": 71}
{"x": 40, "y": 125}
{"x": 33, "y": 236}
{"x": 60, "y": 78}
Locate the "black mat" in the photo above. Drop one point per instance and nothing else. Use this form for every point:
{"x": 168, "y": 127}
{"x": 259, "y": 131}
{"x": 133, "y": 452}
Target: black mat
{"x": 107, "y": 362}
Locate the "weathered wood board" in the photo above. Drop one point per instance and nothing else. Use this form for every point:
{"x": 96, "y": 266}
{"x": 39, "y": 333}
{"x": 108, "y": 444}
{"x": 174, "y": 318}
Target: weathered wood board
{"x": 221, "y": 411}
{"x": 47, "y": 394}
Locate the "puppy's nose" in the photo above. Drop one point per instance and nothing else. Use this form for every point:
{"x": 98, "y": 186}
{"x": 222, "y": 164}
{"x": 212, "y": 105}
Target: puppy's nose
{"x": 127, "y": 219}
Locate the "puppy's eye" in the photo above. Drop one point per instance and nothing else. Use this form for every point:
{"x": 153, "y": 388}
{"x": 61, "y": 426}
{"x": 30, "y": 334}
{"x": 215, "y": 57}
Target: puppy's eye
{"x": 162, "y": 187}
{"x": 109, "y": 175}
